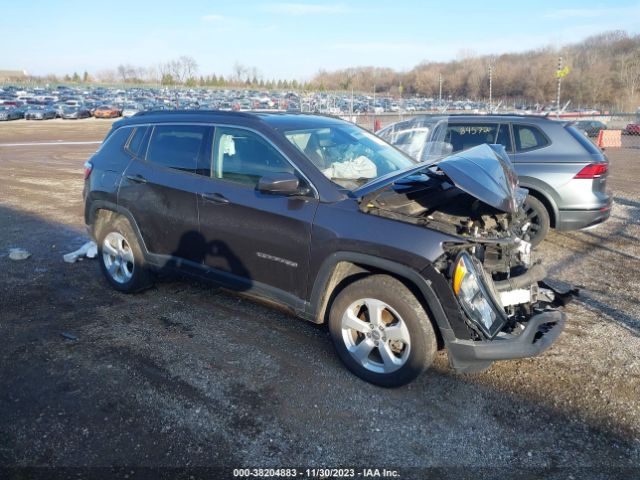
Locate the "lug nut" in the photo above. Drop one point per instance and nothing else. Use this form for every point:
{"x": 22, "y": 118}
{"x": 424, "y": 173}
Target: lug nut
{"x": 376, "y": 343}
{"x": 368, "y": 335}
{"x": 381, "y": 327}
{"x": 371, "y": 326}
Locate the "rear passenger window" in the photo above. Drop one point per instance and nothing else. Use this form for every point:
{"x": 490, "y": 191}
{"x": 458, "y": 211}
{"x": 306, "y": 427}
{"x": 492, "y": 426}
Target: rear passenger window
{"x": 243, "y": 157}
{"x": 177, "y": 146}
{"x": 463, "y": 137}
{"x": 528, "y": 137}
{"x": 115, "y": 142}
{"x": 137, "y": 143}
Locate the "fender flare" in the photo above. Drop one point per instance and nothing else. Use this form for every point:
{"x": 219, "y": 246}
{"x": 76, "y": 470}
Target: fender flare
{"x": 106, "y": 205}
{"x": 319, "y": 299}
{"x": 543, "y": 190}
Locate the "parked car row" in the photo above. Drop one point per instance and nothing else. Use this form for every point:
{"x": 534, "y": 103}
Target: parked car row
{"x": 51, "y": 111}
{"x": 134, "y": 99}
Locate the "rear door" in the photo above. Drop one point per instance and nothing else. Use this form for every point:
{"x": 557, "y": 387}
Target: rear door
{"x": 531, "y": 144}
{"x": 255, "y": 238}
{"x": 159, "y": 188}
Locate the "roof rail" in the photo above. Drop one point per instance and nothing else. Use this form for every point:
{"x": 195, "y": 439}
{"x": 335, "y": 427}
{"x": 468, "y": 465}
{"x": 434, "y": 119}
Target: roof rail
{"x": 197, "y": 112}
{"x": 545, "y": 115}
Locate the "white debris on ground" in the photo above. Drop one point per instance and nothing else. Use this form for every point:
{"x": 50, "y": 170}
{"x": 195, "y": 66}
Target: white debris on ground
{"x": 18, "y": 254}
{"x": 89, "y": 250}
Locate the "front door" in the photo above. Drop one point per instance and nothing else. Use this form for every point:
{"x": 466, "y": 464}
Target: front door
{"x": 260, "y": 238}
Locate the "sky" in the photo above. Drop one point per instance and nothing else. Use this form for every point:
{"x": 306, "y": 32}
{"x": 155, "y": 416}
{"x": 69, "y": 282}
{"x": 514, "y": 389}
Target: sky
{"x": 290, "y": 39}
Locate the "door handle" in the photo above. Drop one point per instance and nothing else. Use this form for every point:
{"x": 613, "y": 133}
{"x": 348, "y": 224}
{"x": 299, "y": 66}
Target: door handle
{"x": 215, "y": 198}
{"x": 137, "y": 178}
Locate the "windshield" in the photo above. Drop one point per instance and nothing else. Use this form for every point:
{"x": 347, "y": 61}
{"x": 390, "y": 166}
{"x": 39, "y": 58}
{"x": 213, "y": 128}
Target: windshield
{"x": 348, "y": 155}
{"x": 422, "y": 138}
{"x": 409, "y": 137}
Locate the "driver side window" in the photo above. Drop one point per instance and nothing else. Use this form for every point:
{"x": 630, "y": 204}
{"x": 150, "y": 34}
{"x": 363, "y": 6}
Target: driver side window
{"x": 242, "y": 156}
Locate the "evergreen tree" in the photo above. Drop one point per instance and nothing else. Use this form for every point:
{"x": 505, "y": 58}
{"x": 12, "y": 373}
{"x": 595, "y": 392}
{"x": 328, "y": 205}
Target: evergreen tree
{"x": 167, "y": 79}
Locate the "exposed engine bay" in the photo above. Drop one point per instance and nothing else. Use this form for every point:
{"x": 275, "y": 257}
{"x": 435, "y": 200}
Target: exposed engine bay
{"x": 490, "y": 269}
{"x": 435, "y": 201}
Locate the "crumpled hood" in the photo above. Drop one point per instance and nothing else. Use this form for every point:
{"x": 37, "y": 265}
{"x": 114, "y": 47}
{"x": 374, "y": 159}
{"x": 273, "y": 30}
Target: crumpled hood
{"x": 484, "y": 172}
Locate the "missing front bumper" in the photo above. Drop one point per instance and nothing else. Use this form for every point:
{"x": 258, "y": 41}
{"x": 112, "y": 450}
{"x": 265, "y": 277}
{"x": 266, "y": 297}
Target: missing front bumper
{"x": 467, "y": 356}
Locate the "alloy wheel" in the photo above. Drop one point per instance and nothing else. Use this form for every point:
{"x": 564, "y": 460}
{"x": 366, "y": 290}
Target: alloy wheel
{"x": 375, "y": 335}
{"x": 118, "y": 257}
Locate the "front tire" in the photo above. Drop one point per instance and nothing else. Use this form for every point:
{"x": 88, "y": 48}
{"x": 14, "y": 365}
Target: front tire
{"x": 381, "y": 331}
{"x": 120, "y": 256}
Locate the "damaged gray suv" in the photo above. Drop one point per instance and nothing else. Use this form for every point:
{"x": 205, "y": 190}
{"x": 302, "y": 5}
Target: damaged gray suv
{"x": 399, "y": 259}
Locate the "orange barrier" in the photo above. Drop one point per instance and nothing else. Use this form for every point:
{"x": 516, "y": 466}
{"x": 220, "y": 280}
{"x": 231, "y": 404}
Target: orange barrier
{"x": 610, "y": 138}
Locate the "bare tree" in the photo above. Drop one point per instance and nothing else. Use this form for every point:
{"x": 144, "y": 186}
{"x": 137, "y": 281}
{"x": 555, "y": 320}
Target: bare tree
{"x": 239, "y": 72}
{"x": 174, "y": 68}
{"x": 630, "y": 72}
{"x": 122, "y": 72}
{"x": 180, "y": 69}
{"x": 189, "y": 67}
{"x": 153, "y": 74}
{"x": 107, "y": 76}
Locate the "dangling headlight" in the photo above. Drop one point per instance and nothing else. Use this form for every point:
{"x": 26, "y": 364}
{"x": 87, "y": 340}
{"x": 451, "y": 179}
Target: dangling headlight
{"x": 480, "y": 305}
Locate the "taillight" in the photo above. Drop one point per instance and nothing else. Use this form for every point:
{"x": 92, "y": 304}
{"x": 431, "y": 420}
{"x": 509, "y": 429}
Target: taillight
{"x": 88, "y": 166}
{"x": 593, "y": 170}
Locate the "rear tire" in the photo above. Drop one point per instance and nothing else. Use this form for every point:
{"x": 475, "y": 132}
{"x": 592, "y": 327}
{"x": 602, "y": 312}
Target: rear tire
{"x": 538, "y": 217}
{"x": 381, "y": 331}
{"x": 120, "y": 256}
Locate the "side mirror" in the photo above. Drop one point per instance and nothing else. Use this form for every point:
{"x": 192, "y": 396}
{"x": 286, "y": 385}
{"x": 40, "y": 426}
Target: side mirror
{"x": 281, "y": 184}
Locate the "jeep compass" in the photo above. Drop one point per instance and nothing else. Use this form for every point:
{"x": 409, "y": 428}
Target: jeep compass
{"x": 398, "y": 258}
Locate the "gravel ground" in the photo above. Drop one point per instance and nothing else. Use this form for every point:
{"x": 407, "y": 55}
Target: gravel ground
{"x": 185, "y": 374}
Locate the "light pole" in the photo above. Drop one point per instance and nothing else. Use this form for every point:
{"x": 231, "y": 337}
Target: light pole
{"x": 374, "y": 107}
{"x": 490, "y": 89}
{"x": 559, "y": 75}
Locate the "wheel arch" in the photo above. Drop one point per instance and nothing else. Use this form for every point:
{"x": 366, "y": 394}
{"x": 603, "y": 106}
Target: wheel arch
{"x": 101, "y": 211}
{"x": 538, "y": 190}
{"x": 343, "y": 268}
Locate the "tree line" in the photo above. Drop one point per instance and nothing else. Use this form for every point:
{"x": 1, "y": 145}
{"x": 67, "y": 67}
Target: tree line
{"x": 604, "y": 71}
{"x": 182, "y": 71}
